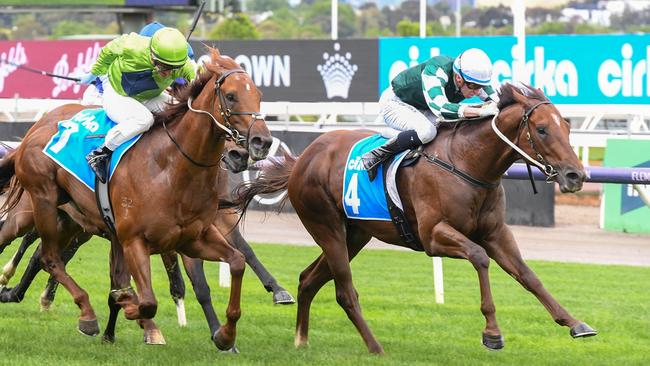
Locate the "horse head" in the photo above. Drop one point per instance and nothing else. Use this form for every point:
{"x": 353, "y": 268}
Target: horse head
{"x": 542, "y": 135}
{"x": 237, "y": 105}
{"x": 235, "y": 157}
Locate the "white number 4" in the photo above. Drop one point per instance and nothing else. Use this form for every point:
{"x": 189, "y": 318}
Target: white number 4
{"x": 351, "y": 198}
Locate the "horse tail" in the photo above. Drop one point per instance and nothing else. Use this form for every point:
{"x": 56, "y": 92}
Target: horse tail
{"x": 8, "y": 183}
{"x": 273, "y": 177}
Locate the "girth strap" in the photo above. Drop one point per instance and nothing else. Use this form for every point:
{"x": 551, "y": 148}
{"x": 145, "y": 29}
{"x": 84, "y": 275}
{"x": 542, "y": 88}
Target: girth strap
{"x": 399, "y": 218}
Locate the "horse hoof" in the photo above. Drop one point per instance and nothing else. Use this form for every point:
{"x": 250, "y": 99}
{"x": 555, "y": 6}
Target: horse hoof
{"x": 7, "y": 295}
{"x": 233, "y": 350}
{"x": 88, "y": 327}
{"x": 493, "y": 342}
{"x": 582, "y": 330}
{"x": 221, "y": 342}
{"x": 283, "y": 297}
{"x": 154, "y": 337}
{"x": 107, "y": 338}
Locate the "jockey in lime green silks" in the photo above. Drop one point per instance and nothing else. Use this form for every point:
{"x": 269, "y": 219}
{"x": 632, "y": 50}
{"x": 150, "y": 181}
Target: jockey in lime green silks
{"x": 134, "y": 71}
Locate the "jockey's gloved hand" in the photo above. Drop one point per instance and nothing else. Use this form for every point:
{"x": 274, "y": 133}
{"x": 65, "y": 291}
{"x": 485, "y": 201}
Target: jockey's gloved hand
{"x": 488, "y": 109}
{"x": 87, "y": 79}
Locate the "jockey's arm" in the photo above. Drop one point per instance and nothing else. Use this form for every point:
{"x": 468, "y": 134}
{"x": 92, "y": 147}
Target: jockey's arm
{"x": 107, "y": 55}
{"x": 488, "y": 94}
{"x": 434, "y": 80}
{"x": 188, "y": 71}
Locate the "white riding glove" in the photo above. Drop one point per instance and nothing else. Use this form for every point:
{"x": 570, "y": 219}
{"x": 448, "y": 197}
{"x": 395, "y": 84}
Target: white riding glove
{"x": 488, "y": 109}
{"x": 87, "y": 79}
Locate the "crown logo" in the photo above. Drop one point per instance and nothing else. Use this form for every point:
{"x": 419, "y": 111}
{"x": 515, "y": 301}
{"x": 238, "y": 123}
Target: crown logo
{"x": 337, "y": 73}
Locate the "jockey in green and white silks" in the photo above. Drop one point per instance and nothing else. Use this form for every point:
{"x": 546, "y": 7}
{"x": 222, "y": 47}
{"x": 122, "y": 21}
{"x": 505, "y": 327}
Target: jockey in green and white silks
{"x": 134, "y": 72}
{"x": 419, "y": 96}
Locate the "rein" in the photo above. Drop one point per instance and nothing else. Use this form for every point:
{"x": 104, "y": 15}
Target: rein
{"x": 230, "y": 131}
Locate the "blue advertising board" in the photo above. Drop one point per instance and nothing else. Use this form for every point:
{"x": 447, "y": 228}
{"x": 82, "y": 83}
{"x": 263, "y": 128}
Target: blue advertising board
{"x": 571, "y": 69}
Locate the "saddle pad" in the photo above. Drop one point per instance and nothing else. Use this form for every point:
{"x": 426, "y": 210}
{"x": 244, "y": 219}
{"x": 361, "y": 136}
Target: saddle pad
{"x": 77, "y": 137}
{"x": 363, "y": 199}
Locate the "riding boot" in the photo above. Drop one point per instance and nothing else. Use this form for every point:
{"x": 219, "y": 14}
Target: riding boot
{"x": 98, "y": 160}
{"x": 404, "y": 140}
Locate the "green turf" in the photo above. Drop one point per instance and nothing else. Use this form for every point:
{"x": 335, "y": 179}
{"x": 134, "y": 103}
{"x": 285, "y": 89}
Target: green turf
{"x": 398, "y": 302}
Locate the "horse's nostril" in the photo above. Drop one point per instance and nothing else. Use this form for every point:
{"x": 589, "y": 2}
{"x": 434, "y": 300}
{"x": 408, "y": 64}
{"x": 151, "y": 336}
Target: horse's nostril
{"x": 261, "y": 142}
{"x": 574, "y": 177}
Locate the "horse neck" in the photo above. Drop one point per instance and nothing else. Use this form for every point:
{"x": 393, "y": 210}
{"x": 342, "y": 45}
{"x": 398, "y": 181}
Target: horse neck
{"x": 197, "y": 134}
{"x": 477, "y": 150}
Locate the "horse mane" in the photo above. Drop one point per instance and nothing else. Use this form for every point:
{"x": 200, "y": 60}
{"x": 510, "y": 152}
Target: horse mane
{"x": 508, "y": 90}
{"x": 183, "y": 94}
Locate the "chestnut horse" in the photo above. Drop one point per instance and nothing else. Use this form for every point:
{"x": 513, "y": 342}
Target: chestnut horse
{"x": 457, "y": 212}
{"x": 20, "y": 221}
{"x": 165, "y": 193}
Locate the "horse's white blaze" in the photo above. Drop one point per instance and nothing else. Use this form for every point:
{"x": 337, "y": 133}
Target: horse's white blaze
{"x": 248, "y": 87}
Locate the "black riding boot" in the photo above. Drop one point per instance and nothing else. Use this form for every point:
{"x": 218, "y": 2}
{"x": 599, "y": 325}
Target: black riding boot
{"x": 404, "y": 140}
{"x": 98, "y": 160}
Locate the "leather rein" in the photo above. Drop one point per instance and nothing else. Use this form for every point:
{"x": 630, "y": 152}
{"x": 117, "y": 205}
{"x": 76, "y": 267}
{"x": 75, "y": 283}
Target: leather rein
{"x": 230, "y": 132}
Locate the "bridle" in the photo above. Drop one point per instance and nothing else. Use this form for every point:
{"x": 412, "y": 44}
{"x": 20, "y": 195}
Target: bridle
{"x": 231, "y": 132}
{"x": 546, "y": 168}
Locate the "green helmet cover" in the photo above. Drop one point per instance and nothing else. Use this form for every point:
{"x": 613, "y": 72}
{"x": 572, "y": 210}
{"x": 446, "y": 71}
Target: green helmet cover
{"x": 168, "y": 45}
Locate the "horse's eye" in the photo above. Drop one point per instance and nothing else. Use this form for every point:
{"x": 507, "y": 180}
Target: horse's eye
{"x": 230, "y": 97}
{"x": 541, "y": 131}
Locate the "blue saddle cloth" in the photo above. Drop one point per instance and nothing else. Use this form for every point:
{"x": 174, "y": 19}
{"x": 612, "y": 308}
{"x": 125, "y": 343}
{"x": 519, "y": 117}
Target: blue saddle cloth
{"x": 363, "y": 199}
{"x": 77, "y": 137}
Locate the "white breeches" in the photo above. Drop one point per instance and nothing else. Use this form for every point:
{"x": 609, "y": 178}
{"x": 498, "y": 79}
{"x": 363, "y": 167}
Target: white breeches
{"x": 131, "y": 116}
{"x": 403, "y": 116}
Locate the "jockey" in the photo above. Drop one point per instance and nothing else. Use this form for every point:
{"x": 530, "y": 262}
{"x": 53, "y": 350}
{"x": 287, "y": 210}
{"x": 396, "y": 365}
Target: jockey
{"x": 423, "y": 94}
{"x": 134, "y": 71}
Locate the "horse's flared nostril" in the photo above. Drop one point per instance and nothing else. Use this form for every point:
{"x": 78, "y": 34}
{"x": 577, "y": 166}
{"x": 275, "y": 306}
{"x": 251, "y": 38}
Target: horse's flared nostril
{"x": 261, "y": 142}
{"x": 238, "y": 156}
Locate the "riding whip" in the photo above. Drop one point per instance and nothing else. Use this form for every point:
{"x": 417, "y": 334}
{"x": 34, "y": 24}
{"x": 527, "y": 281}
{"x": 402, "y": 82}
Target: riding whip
{"x": 197, "y": 15}
{"x": 44, "y": 73}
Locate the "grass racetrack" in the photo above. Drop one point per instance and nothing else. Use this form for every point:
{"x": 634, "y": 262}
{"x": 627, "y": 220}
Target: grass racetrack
{"x": 397, "y": 298}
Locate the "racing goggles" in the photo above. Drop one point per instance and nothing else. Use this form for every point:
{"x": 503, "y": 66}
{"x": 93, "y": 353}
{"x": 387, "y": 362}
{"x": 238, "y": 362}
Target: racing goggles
{"x": 165, "y": 67}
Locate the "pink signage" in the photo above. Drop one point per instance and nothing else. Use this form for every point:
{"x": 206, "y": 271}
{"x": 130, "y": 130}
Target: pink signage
{"x": 67, "y": 58}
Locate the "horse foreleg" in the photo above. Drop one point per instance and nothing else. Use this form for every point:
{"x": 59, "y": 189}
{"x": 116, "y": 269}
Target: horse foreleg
{"x": 280, "y": 295}
{"x": 214, "y": 247}
{"x": 502, "y": 247}
{"x": 9, "y": 269}
{"x": 449, "y": 242}
{"x": 136, "y": 256}
{"x": 194, "y": 270}
{"x": 176, "y": 284}
{"x": 53, "y": 241}
{"x": 17, "y": 293}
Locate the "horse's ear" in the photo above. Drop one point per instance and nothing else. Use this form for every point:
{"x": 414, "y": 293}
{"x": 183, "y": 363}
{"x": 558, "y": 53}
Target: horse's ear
{"x": 518, "y": 96}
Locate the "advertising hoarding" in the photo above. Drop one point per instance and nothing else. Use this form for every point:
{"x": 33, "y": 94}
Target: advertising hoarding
{"x": 624, "y": 209}
{"x": 306, "y": 70}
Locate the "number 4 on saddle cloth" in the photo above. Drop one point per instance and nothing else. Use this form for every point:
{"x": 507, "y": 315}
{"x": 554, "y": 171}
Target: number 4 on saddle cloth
{"x": 77, "y": 137}
{"x": 363, "y": 199}
{"x": 366, "y": 200}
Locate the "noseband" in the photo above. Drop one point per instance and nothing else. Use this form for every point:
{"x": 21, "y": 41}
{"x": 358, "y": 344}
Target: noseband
{"x": 548, "y": 170}
{"x": 231, "y": 132}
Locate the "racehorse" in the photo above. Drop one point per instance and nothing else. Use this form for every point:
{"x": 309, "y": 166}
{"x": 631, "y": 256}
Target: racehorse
{"x": 165, "y": 201}
{"x": 452, "y": 200}
{"x": 20, "y": 222}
